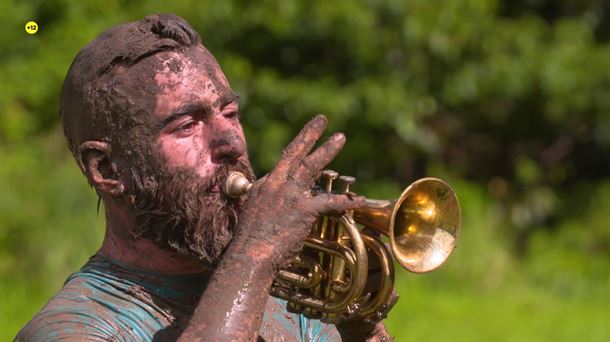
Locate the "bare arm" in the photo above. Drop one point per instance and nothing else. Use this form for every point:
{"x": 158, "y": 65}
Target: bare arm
{"x": 274, "y": 223}
{"x": 232, "y": 306}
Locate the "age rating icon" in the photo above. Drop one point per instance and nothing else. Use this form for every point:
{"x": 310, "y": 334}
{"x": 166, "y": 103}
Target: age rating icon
{"x": 31, "y": 27}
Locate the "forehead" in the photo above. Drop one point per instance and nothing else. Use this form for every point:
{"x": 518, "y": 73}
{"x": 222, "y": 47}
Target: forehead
{"x": 190, "y": 76}
{"x": 193, "y": 65}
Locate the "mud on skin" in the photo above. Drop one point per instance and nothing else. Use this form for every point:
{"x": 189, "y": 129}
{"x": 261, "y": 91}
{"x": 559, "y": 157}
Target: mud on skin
{"x": 274, "y": 221}
{"x": 138, "y": 83}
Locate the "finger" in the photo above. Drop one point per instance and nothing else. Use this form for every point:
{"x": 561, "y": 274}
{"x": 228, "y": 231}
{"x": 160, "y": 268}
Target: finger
{"x": 257, "y": 184}
{"x": 335, "y": 203}
{"x": 300, "y": 145}
{"x": 313, "y": 164}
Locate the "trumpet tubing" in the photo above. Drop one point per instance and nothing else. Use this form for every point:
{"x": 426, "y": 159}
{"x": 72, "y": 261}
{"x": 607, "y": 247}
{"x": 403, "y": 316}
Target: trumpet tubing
{"x": 329, "y": 280}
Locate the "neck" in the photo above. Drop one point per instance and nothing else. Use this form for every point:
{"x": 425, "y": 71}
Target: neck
{"x": 120, "y": 243}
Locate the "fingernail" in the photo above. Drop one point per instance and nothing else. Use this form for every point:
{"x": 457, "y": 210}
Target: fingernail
{"x": 338, "y": 136}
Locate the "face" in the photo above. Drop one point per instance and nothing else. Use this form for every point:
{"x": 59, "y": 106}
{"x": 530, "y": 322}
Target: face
{"x": 194, "y": 140}
{"x": 198, "y": 114}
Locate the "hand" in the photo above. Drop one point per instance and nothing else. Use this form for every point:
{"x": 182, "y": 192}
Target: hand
{"x": 281, "y": 209}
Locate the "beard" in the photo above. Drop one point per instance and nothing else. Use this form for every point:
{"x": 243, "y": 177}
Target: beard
{"x": 176, "y": 209}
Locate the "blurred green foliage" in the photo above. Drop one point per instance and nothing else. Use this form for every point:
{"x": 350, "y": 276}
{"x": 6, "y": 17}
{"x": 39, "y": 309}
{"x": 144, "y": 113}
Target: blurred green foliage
{"x": 507, "y": 100}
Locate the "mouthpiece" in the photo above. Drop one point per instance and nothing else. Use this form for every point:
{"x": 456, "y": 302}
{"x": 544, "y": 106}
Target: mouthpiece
{"x": 236, "y": 185}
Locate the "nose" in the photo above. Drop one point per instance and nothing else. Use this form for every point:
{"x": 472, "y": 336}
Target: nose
{"x": 227, "y": 146}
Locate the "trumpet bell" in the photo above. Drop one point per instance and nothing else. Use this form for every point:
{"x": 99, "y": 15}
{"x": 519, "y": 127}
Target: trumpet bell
{"x": 424, "y": 225}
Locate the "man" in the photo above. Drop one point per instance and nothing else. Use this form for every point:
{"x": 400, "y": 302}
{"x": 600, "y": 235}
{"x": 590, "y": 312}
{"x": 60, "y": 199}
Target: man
{"x": 154, "y": 126}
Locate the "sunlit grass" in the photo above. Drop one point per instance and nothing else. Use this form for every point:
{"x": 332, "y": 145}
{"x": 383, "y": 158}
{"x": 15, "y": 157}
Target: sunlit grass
{"x": 511, "y": 312}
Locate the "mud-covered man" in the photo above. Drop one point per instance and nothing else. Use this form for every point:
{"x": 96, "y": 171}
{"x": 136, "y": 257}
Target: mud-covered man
{"x": 154, "y": 126}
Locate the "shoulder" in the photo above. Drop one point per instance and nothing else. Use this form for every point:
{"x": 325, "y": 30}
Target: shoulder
{"x": 92, "y": 308}
{"x": 64, "y": 326}
{"x": 71, "y": 314}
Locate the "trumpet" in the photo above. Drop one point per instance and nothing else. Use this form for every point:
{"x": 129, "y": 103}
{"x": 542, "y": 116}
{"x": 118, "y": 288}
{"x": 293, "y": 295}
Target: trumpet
{"x": 330, "y": 278}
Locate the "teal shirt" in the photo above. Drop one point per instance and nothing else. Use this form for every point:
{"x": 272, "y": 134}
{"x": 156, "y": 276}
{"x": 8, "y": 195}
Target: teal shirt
{"x": 109, "y": 301}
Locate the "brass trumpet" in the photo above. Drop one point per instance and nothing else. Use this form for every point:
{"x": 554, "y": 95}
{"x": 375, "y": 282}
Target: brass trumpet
{"x": 330, "y": 280}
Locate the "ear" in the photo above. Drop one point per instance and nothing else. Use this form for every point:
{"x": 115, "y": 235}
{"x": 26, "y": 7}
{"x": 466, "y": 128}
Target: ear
{"x": 96, "y": 163}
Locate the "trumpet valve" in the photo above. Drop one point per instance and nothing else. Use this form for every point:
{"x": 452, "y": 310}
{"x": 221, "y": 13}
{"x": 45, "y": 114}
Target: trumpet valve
{"x": 344, "y": 183}
{"x": 328, "y": 176}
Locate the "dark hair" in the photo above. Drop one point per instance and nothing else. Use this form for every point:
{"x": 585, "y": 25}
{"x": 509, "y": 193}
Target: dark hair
{"x": 91, "y": 106}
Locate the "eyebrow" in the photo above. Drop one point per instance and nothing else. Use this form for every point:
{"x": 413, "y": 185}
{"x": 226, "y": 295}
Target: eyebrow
{"x": 227, "y": 100}
{"x": 197, "y": 107}
{"x": 186, "y": 109}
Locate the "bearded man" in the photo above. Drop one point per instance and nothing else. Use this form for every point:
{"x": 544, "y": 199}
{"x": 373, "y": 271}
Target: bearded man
{"x": 154, "y": 125}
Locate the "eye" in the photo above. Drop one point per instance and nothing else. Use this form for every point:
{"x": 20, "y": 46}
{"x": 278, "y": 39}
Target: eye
{"x": 232, "y": 115}
{"x": 186, "y": 128}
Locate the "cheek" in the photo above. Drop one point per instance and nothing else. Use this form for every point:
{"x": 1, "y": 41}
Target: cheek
{"x": 187, "y": 153}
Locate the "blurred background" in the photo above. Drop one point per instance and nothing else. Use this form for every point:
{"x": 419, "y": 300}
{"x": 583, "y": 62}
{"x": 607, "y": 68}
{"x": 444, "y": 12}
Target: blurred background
{"x": 509, "y": 101}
